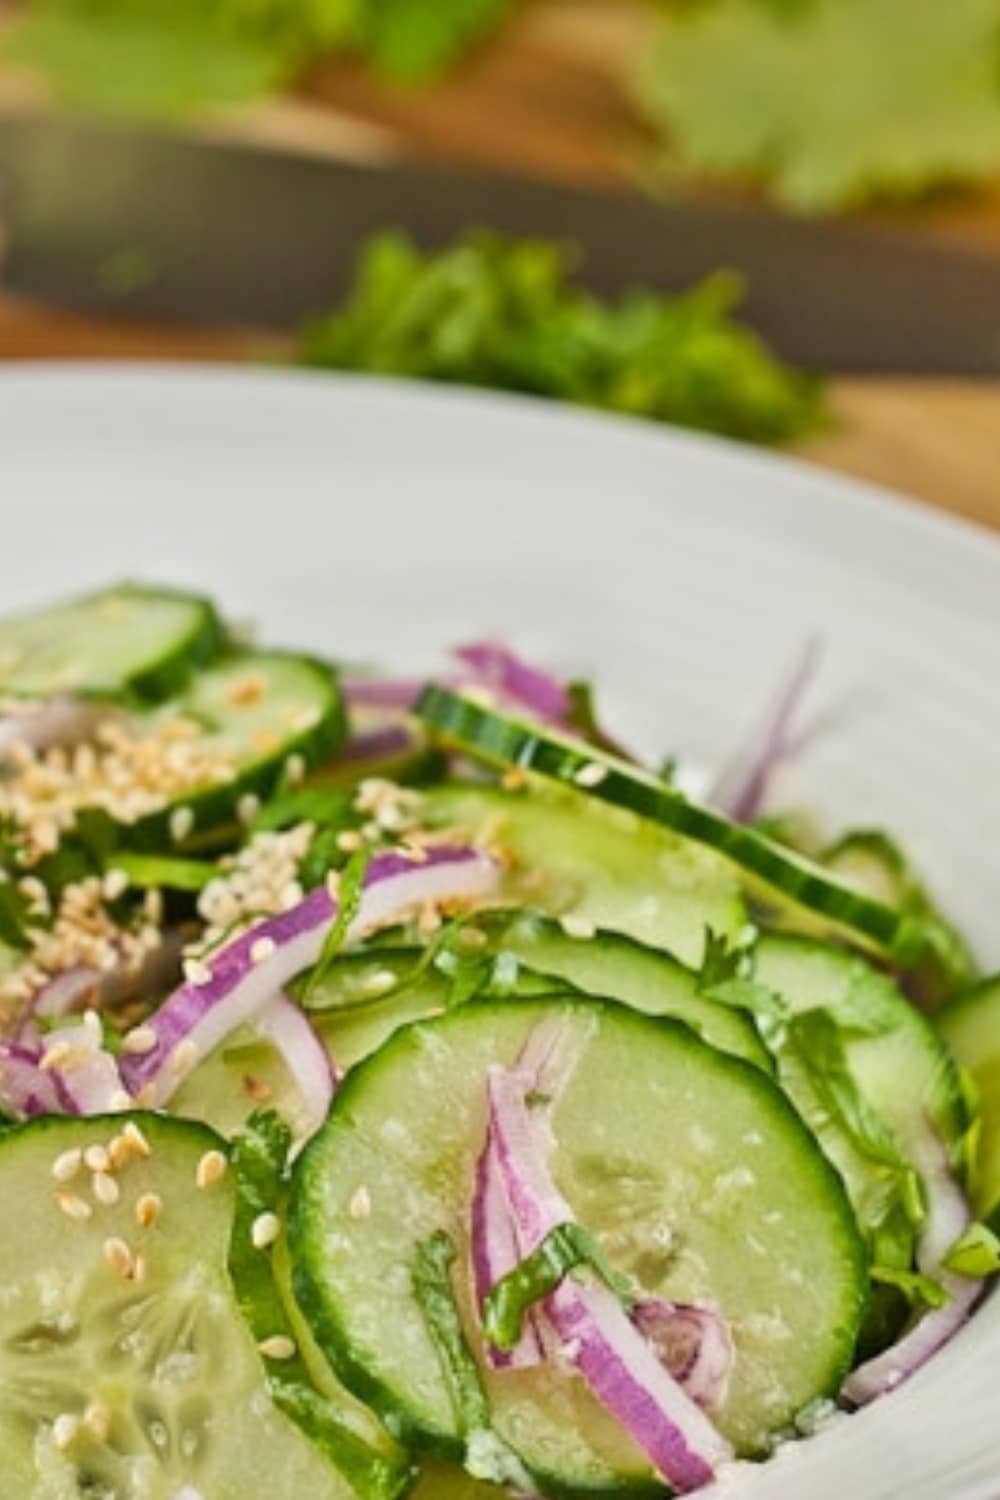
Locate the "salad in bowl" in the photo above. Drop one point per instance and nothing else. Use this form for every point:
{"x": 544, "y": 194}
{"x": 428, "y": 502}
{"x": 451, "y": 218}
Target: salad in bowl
{"x": 405, "y": 1090}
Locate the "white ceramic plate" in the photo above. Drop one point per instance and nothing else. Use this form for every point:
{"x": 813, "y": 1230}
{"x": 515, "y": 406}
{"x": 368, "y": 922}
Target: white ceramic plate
{"x": 371, "y": 520}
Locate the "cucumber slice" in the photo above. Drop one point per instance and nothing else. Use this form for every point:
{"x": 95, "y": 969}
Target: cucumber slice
{"x": 167, "y": 1361}
{"x": 623, "y": 969}
{"x": 605, "y": 866}
{"x": 767, "y": 865}
{"x": 128, "y": 637}
{"x": 655, "y": 1130}
{"x": 970, "y": 1025}
{"x": 873, "y": 862}
{"x": 438, "y": 1482}
{"x": 259, "y": 711}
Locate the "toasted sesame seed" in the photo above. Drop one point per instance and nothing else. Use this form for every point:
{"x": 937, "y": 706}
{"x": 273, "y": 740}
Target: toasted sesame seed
{"x": 97, "y": 1420}
{"x": 64, "y": 1430}
{"x": 350, "y": 841}
{"x": 181, "y": 824}
{"x": 265, "y": 740}
{"x": 120, "y": 1100}
{"x": 257, "y": 1088}
{"x": 514, "y": 779}
{"x": 415, "y": 853}
{"x": 67, "y": 1165}
{"x": 592, "y": 774}
{"x": 92, "y": 1023}
{"x": 106, "y": 1189}
{"x": 118, "y": 1257}
{"x": 74, "y": 1207}
{"x": 262, "y": 949}
{"x": 141, "y": 1040}
{"x": 248, "y": 807}
{"x": 137, "y": 1140}
{"x": 577, "y": 927}
{"x": 211, "y": 1169}
{"x": 290, "y": 896}
{"x": 148, "y": 1210}
{"x": 197, "y": 972}
{"x": 114, "y": 884}
{"x": 184, "y": 1057}
{"x": 360, "y": 1206}
{"x": 278, "y": 1347}
{"x": 56, "y": 1054}
{"x": 265, "y": 1230}
{"x": 247, "y": 690}
{"x": 378, "y": 983}
{"x": 140, "y": 1267}
{"x": 295, "y": 769}
{"x": 96, "y": 1159}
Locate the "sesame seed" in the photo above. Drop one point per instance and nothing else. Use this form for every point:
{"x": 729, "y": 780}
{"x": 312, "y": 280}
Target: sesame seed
{"x": 360, "y": 1206}
{"x": 262, "y": 949}
{"x": 257, "y": 1088}
{"x": 141, "y": 1040}
{"x": 74, "y": 1207}
{"x": 248, "y": 807}
{"x": 247, "y": 690}
{"x": 577, "y": 927}
{"x": 120, "y": 1100}
{"x": 211, "y": 1169}
{"x": 148, "y": 1210}
{"x": 92, "y": 1022}
{"x": 515, "y": 779}
{"x": 114, "y": 884}
{"x": 96, "y": 1159}
{"x": 64, "y": 1430}
{"x": 106, "y": 1189}
{"x": 350, "y": 841}
{"x": 265, "y": 1230}
{"x": 278, "y": 1347}
{"x": 591, "y": 774}
{"x": 378, "y": 983}
{"x": 56, "y": 1054}
{"x": 414, "y": 853}
{"x": 97, "y": 1420}
{"x": 197, "y": 972}
{"x": 181, "y": 824}
{"x": 67, "y": 1165}
{"x": 295, "y": 769}
{"x": 291, "y": 895}
{"x": 140, "y": 1267}
{"x": 118, "y": 1257}
{"x": 184, "y": 1057}
{"x": 137, "y": 1140}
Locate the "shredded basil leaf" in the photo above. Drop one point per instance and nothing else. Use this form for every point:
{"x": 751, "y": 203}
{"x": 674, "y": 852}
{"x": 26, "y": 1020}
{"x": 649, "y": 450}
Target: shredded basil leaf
{"x": 350, "y": 892}
{"x": 567, "y": 1248}
{"x": 920, "y": 1291}
{"x": 432, "y": 1288}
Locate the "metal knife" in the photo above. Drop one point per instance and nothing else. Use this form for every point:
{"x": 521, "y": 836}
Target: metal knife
{"x": 107, "y": 218}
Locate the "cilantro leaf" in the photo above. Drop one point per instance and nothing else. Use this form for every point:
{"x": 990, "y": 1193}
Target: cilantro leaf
{"x": 416, "y": 40}
{"x": 350, "y": 891}
{"x": 504, "y": 313}
{"x": 831, "y": 101}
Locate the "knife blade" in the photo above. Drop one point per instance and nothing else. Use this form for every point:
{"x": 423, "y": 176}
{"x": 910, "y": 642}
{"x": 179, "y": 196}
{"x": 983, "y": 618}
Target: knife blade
{"x": 107, "y": 218}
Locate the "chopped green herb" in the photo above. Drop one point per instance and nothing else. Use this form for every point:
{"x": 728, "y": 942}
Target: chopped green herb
{"x": 564, "y": 1250}
{"x": 919, "y": 1291}
{"x": 433, "y": 1291}
{"x": 490, "y": 311}
{"x": 350, "y": 891}
{"x": 154, "y": 870}
{"x": 830, "y": 101}
{"x": 975, "y": 1254}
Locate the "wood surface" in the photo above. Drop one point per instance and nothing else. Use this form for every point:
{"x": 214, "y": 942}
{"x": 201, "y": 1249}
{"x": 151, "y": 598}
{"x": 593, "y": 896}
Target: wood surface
{"x": 546, "y": 99}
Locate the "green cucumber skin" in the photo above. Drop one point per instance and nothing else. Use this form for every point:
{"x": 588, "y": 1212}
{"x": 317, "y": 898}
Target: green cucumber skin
{"x": 519, "y": 744}
{"x": 336, "y": 1342}
{"x": 159, "y": 679}
{"x": 566, "y": 959}
{"x": 215, "y": 807}
{"x": 970, "y": 1025}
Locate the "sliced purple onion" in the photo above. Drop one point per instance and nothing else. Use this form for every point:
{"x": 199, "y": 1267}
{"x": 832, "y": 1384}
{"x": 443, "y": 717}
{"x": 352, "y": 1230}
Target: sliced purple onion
{"x": 495, "y": 1252}
{"x": 26, "y": 1090}
{"x": 692, "y": 1342}
{"x": 81, "y": 987}
{"x": 88, "y": 1081}
{"x": 741, "y": 788}
{"x": 618, "y": 1364}
{"x": 286, "y": 1026}
{"x": 948, "y": 1217}
{"x": 73, "y": 989}
{"x": 382, "y": 692}
{"x": 379, "y": 741}
{"x": 243, "y": 976}
{"x": 496, "y": 667}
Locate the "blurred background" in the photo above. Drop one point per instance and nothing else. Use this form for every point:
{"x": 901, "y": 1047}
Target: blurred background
{"x": 778, "y": 220}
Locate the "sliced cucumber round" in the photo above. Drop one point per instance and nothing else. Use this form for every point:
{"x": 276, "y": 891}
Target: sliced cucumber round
{"x": 262, "y": 712}
{"x": 773, "y": 869}
{"x": 118, "y": 1384}
{"x": 128, "y": 637}
{"x": 695, "y": 1173}
{"x": 604, "y": 866}
{"x": 971, "y": 1027}
{"x": 621, "y": 968}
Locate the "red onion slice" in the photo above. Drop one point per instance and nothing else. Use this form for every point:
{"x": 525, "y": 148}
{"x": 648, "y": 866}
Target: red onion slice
{"x": 242, "y": 977}
{"x": 692, "y": 1342}
{"x": 88, "y": 1081}
{"x": 741, "y": 788}
{"x": 287, "y": 1028}
{"x": 948, "y": 1217}
{"x": 25, "y": 1089}
{"x": 495, "y": 1252}
{"x": 619, "y": 1366}
{"x": 496, "y": 667}
{"x": 382, "y": 692}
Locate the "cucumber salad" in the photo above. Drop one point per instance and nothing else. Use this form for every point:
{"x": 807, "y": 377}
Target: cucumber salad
{"x": 404, "y": 1090}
